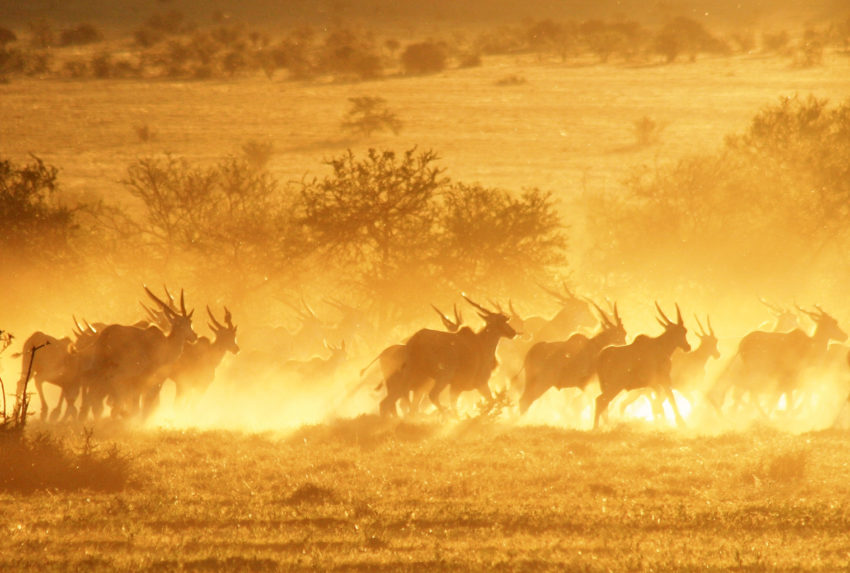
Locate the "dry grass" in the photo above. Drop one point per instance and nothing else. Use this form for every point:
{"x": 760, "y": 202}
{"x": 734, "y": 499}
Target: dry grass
{"x": 367, "y": 493}
{"x": 564, "y": 129}
{"x": 431, "y": 497}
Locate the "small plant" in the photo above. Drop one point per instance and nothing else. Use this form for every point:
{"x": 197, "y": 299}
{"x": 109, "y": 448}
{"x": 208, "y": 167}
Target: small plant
{"x": 309, "y": 492}
{"x": 810, "y": 51}
{"x": 787, "y": 467}
{"x": 492, "y": 409}
{"x": 75, "y": 69}
{"x": 101, "y": 65}
{"x": 144, "y": 132}
{"x": 777, "y": 42}
{"x": 470, "y": 60}
{"x": 369, "y": 114}
{"x": 257, "y": 153}
{"x": 7, "y": 36}
{"x": 647, "y": 131}
{"x": 511, "y": 80}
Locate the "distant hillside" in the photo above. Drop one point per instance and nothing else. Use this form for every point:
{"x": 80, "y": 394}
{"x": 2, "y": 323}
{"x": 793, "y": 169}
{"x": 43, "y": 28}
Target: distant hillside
{"x": 273, "y": 13}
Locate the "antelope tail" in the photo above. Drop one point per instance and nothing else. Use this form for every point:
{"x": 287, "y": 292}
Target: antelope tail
{"x": 375, "y": 359}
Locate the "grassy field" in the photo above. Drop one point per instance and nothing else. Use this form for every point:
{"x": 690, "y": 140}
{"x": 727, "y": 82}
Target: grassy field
{"x": 298, "y": 481}
{"x": 367, "y": 494}
{"x": 566, "y": 128}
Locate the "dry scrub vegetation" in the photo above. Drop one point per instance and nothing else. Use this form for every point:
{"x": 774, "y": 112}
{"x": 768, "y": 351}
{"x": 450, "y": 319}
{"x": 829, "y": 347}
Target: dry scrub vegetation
{"x": 338, "y": 169}
{"x": 367, "y": 494}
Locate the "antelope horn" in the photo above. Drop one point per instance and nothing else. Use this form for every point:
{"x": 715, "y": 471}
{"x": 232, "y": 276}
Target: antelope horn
{"x": 338, "y": 304}
{"x": 150, "y": 312}
{"x": 679, "y": 320}
{"x": 307, "y": 306}
{"x": 216, "y": 325}
{"x": 710, "y": 329}
{"x": 702, "y": 331}
{"x": 159, "y": 301}
{"x": 664, "y": 316}
{"x": 512, "y": 309}
{"x": 485, "y": 311}
{"x": 606, "y": 321}
{"x": 79, "y": 328}
{"x": 450, "y": 326}
{"x": 552, "y": 293}
{"x": 810, "y": 314}
{"x": 182, "y": 303}
{"x": 170, "y": 296}
{"x": 228, "y": 318}
{"x": 776, "y": 309}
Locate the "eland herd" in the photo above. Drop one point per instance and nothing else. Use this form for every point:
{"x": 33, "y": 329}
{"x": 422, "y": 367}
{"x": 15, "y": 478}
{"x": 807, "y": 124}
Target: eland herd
{"x": 583, "y": 346}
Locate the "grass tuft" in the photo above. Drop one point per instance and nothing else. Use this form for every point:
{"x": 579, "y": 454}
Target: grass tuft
{"x": 311, "y": 493}
{"x": 29, "y": 464}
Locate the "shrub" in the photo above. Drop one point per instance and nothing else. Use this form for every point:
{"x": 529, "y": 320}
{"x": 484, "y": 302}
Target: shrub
{"x": 368, "y": 115}
{"x": 310, "y": 493}
{"x": 685, "y": 36}
{"x": 784, "y": 181}
{"x": 101, "y": 65}
{"x": 347, "y": 52}
{"x": 486, "y": 232}
{"x": 75, "y": 69}
{"x": 296, "y": 53}
{"x": 744, "y": 41}
{"x": 35, "y": 224}
{"x": 41, "y": 34}
{"x": 7, "y": 36}
{"x": 374, "y": 217}
{"x": 424, "y": 58}
{"x": 37, "y": 62}
{"x": 647, "y": 131}
{"x": 602, "y": 39}
{"x": 144, "y": 132}
{"x": 80, "y": 35}
{"x": 810, "y": 52}
{"x": 12, "y": 60}
{"x": 257, "y": 153}
{"x": 511, "y": 80}
{"x": 776, "y": 42}
{"x": 29, "y": 464}
{"x": 226, "y": 214}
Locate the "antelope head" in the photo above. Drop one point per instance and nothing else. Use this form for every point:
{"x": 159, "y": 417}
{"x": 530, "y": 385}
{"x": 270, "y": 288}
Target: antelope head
{"x": 338, "y": 353}
{"x": 225, "y": 334}
{"x": 5, "y": 339}
{"x": 826, "y": 325}
{"x": 675, "y": 330}
{"x": 786, "y": 319}
{"x": 707, "y": 338}
{"x": 496, "y": 321}
{"x": 179, "y": 321}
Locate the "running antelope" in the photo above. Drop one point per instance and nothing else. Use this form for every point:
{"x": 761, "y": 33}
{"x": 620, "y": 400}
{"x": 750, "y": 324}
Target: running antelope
{"x": 645, "y": 363}
{"x": 570, "y": 363}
